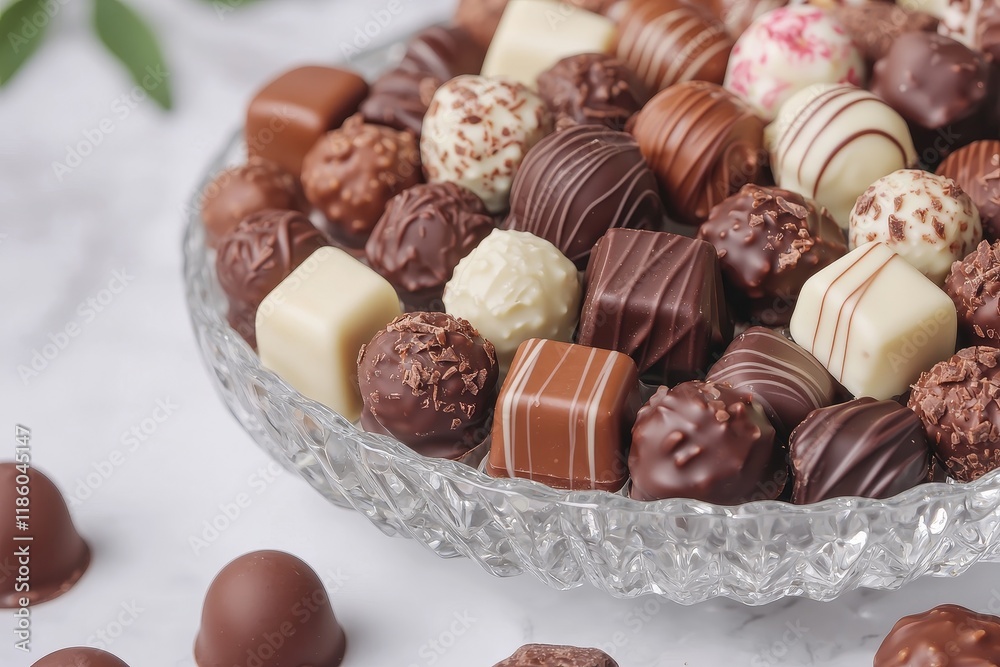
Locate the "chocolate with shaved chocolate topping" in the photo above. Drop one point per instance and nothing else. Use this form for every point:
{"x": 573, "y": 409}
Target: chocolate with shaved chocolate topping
{"x": 974, "y": 286}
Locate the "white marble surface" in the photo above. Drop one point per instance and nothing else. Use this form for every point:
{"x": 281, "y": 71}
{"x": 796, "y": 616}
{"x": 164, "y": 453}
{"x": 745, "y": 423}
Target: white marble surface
{"x": 61, "y": 242}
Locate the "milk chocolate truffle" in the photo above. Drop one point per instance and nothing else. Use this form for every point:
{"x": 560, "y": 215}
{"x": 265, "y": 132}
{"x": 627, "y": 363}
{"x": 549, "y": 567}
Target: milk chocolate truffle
{"x": 58, "y": 555}
{"x": 945, "y": 635}
{"x": 423, "y": 234}
{"x": 974, "y": 286}
{"x": 865, "y": 448}
{"x": 261, "y": 252}
{"x": 79, "y": 656}
{"x": 430, "y": 381}
{"x": 738, "y": 15}
{"x": 670, "y": 41}
{"x": 705, "y": 441}
{"x": 270, "y": 608}
{"x": 591, "y": 89}
{"x": 788, "y": 382}
{"x": 481, "y": 17}
{"x": 976, "y": 168}
{"x": 476, "y": 133}
{"x": 443, "y": 52}
{"x": 577, "y": 184}
{"x": 702, "y": 143}
{"x": 237, "y": 192}
{"x": 770, "y": 241}
{"x": 353, "y": 172}
{"x": 957, "y": 401}
{"x": 875, "y": 26}
{"x": 543, "y": 655}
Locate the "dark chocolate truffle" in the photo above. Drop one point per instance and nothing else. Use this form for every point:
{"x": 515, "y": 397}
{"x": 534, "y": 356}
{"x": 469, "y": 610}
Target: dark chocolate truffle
{"x": 423, "y": 234}
{"x": 770, "y": 241}
{"x": 865, "y": 448}
{"x": 705, "y": 441}
{"x": 353, "y": 172}
{"x": 591, "y": 89}
{"x": 947, "y": 635}
{"x": 787, "y": 381}
{"x": 253, "y": 258}
{"x": 443, "y": 52}
{"x": 976, "y": 169}
{"x": 874, "y": 26}
{"x": 255, "y": 186}
{"x": 58, "y": 554}
{"x": 974, "y": 286}
{"x": 79, "y": 656}
{"x": 430, "y": 381}
{"x": 544, "y": 655}
{"x": 703, "y": 143}
{"x": 575, "y": 185}
{"x": 957, "y": 402}
{"x": 270, "y": 609}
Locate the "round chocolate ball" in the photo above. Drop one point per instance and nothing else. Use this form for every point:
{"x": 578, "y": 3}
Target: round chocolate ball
{"x": 874, "y": 26}
{"x": 430, "y": 381}
{"x": 353, "y": 172}
{"x": 248, "y": 188}
{"x": 705, "y": 441}
{"x": 770, "y": 242}
{"x": 577, "y": 184}
{"x": 948, "y": 635}
{"x": 957, "y": 402}
{"x": 261, "y": 252}
{"x": 423, "y": 235}
{"x": 261, "y": 595}
{"x": 591, "y": 89}
{"x": 976, "y": 168}
{"x": 79, "y": 656}
{"x": 974, "y": 286}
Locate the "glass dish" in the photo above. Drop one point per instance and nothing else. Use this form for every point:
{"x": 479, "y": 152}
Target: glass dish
{"x": 684, "y": 550}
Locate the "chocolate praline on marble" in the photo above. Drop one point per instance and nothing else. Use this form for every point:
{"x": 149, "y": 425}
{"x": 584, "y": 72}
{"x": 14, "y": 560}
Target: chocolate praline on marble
{"x": 544, "y": 655}
{"x": 706, "y": 441}
{"x": 79, "y": 656}
{"x": 261, "y": 252}
{"x": 770, "y": 242}
{"x": 976, "y": 168}
{"x": 946, "y": 635}
{"x": 430, "y": 381}
{"x": 974, "y": 286}
{"x": 957, "y": 401}
{"x": 576, "y": 184}
{"x": 257, "y": 185}
{"x": 423, "y": 235}
{"x": 591, "y": 89}
{"x": 864, "y": 448}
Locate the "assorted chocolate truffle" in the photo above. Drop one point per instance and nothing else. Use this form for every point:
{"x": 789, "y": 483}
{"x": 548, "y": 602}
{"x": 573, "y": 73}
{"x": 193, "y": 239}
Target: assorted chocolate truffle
{"x": 423, "y": 234}
{"x": 543, "y": 655}
{"x": 927, "y": 219}
{"x": 770, "y": 241}
{"x": 976, "y": 169}
{"x": 738, "y": 15}
{"x": 703, "y": 144}
{"x": 79, "y": 656}
{"x": 706, "y": 441}
{"x": 591, "y": 89}
{"x": 866, "y": 448}
{"x": 58, "y": 554}
{"x": 264, "y": 594}
{"x": 481, "y": 17}
{"x": 974, "y": 286}
{"x": 945, "y": 635}
{"x": 788, "y": 382}
{"x": 430, "y": 381}
{"x": 255, "y": 186}
{"x": 875, "y": 26}
{"x": 957, "y": 402}
{"x": 563, "y": 417}
{"x": 658, "y": 298}
{"x": 353, "y": 172}
{"x": 575, "y": 185}
{"x": 261, "y": 252}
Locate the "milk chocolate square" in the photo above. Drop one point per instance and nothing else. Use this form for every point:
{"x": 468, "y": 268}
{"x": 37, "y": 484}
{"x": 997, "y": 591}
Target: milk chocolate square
{"x": 293, "y": 111}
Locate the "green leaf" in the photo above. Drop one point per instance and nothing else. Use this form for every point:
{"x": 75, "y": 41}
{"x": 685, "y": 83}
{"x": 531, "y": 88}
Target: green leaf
{"x": 131, "y": 40}
{"x": 22, "y": 26}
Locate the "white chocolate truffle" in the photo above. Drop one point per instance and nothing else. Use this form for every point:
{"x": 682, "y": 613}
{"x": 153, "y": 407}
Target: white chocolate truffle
{"x": 534, "y": 35}
{"x": 925, "y": 218}
{"x": 477, "y": 132}
{"x": 830, "y": 142}
{"x": 788, "y": 49}
{"x": 874, "y": 322}
{"x": 515, "y": 286}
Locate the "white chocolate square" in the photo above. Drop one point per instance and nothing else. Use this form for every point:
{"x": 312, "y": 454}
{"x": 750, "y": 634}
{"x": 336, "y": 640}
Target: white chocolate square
{"x": 875, "y": 322}
{"x": 311, "y": 327}
{"x": 534, "y": 35}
